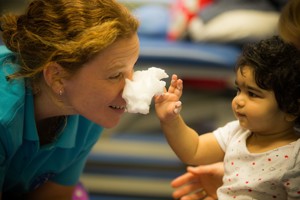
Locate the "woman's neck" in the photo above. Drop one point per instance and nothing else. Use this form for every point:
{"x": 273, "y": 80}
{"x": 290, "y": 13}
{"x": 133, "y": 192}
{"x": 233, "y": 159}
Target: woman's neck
{"x": 47, "y": 105}
{"x": 49, "y": 129}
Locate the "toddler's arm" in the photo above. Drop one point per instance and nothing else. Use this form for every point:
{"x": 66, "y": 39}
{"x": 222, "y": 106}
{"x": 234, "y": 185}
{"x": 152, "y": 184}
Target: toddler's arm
{"x": 185, "y": 142}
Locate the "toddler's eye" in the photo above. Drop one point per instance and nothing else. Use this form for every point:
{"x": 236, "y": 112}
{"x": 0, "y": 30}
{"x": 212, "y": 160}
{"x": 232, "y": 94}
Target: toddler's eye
{"x": 251, "y": 94}
{"x": 238, "y": 90}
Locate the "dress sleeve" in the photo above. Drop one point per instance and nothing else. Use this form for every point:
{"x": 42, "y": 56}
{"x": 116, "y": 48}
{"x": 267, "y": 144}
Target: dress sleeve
{"x": 225, "y": 133}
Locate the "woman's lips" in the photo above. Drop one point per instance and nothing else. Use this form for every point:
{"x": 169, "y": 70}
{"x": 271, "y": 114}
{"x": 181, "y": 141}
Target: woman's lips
{"x": 118, "y": 109}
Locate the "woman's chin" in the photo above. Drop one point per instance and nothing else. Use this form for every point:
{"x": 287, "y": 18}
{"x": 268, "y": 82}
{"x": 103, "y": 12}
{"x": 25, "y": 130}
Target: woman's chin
{"x": 110, "y": 124}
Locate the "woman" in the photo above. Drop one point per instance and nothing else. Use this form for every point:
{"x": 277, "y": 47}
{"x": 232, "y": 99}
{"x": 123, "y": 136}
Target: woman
{"x": 62, "y": 72}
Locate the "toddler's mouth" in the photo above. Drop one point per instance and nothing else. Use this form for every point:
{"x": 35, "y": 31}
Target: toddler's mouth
{"x": 238, "y": 114}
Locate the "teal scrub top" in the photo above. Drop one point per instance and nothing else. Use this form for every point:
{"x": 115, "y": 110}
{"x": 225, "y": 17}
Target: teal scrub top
{"x": 24, "y": 164}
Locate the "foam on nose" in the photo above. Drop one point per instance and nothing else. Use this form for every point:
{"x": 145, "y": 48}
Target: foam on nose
{"x": 139, "y": 91}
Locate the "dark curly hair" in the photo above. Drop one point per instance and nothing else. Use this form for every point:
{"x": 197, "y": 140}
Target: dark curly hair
{"x": 276, "y": 67}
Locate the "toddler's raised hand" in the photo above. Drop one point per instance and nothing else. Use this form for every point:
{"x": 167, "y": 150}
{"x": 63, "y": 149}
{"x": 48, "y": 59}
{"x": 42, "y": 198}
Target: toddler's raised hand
{"x": 168, "y": 105}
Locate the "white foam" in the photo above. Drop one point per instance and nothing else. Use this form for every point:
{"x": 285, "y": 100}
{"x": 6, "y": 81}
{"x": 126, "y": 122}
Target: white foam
{"x": 139, "y": 91}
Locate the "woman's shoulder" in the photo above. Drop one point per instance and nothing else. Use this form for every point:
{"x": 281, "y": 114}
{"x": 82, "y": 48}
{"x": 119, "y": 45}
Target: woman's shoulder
{"x": 10, "y": 90}
{"x": 3, "y": 50}
{"x": 11, "y": 120}
{"x": 12, "y": 94}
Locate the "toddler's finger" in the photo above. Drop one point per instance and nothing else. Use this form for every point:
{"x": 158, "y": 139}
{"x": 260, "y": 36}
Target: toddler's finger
{"x": 173, "y": 84}
{"x": 178, "y": 106}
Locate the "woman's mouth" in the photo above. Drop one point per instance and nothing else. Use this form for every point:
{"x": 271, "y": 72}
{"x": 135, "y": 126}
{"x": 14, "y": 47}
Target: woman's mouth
{"x": 118, "y": 107}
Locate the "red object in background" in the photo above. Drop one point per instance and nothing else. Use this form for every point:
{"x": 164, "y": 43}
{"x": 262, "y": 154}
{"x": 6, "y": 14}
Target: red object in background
{"x": 179, "y": 7}
{"x": 206, "y": 84}
{"x": 203, "y": 3}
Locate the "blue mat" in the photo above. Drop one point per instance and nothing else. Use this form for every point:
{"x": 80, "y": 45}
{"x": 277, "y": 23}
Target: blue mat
{"x": 159, "y": 49}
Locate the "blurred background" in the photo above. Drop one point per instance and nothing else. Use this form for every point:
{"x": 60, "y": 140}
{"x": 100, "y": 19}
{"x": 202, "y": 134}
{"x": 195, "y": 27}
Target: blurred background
{"x": 200, "y": 41}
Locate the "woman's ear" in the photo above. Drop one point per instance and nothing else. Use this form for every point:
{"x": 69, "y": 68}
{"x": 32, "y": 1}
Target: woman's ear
{"x": 53, "y": 75}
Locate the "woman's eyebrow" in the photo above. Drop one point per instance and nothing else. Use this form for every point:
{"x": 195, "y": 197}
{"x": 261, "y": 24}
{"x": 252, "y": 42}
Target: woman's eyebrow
{"x": 116, "y": 67}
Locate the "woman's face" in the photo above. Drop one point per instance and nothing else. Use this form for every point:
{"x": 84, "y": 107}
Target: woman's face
{"x": 95, "y": 91}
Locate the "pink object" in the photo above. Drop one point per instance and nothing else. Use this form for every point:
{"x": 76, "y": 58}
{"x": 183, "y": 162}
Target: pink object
{"x": 80, "y": 193}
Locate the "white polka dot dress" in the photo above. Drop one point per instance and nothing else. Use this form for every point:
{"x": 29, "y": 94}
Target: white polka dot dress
{"x": 270, "y": 175}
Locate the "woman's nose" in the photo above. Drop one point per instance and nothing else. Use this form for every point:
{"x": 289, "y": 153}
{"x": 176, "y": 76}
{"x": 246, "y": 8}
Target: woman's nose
{"x": 129, "y": 75}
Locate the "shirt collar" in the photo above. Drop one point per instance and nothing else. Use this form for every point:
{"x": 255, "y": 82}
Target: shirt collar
{"x": 29, "y": 125}
{"x": 66, "y": 139}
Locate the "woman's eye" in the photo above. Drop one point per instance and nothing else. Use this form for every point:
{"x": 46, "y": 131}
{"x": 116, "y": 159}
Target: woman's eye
{"x": 117, "y": 76}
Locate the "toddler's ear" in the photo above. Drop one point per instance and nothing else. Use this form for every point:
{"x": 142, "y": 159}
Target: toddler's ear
{"x": 290, "y": 118}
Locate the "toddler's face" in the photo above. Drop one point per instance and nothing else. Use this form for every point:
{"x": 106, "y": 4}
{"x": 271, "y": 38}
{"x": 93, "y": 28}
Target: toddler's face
{"x": 256, "y": 108}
